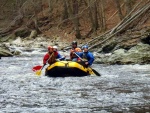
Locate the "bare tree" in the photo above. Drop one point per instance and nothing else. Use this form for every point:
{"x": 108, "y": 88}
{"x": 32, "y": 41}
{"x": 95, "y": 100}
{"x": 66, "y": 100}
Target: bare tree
{"x": 36, "y": 10}
{"x": 93, "y": 14}
{"x": 119, "y": 9}
{"x": 72, "y": 6}
{"x": 128, "y": 4}
{"x": 102, "y": 15}
{"x": 51, "y": 7}
{"x": 65, "y": 11}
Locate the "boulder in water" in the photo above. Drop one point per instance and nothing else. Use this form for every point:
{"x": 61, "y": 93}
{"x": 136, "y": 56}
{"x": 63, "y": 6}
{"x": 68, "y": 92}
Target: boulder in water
{"x": 5, "y": 53}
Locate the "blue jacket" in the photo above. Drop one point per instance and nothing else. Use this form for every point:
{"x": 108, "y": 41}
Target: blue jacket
{"x": 60, "y": 57}
{"x": 87, "y": 55}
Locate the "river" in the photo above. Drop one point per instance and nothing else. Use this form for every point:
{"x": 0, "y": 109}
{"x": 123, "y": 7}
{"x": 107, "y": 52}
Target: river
{"x": 119, "y": 89}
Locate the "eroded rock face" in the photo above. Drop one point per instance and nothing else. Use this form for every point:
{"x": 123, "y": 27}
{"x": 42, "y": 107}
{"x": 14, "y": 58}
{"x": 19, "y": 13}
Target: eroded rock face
{"x": 139, "y": 54}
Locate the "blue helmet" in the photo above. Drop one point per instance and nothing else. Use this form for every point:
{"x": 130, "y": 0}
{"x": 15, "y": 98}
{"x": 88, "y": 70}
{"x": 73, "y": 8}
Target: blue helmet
{"x": 86, "y": 46}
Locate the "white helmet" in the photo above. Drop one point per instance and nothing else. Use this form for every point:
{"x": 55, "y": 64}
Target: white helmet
{"x": 55, "y": 47}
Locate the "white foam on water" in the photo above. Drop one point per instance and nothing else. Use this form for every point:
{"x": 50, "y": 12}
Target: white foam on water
{"x": 119, "y": 88}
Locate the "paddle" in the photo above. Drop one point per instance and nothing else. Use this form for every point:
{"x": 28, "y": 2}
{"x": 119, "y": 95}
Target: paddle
{"x": 38, "y": 69}
{"x": 38, "y": 72}
{"x": 91, "y": 71}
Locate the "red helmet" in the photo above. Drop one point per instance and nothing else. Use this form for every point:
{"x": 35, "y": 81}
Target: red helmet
{"x": 49, "y": 47}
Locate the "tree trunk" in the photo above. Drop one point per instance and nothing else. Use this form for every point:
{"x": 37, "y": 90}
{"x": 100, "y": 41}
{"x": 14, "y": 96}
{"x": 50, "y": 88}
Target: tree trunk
{"x": 50, "y": 8}
{"x": 65, "y": 12}
{"x": 95, "y": 16}
{"x": 128, "y": 6}
{"x": 90, "y": 14}
{"x": 73, "y": 11}
{"x": 35, "y": 19}
{"x": 119, "y": 9}
{"x": 76, "y": 19}
{"x": 103, "y": 15}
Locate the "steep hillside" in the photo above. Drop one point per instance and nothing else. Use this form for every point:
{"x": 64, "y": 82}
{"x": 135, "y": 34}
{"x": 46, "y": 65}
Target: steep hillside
{"x": 29, "y": 15}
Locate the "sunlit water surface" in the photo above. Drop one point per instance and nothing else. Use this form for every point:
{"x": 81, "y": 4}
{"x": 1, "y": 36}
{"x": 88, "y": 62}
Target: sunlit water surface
{"x": 120, "y": 89}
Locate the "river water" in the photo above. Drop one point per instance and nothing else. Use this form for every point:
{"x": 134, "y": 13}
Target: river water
{"x": 120, "y": 89}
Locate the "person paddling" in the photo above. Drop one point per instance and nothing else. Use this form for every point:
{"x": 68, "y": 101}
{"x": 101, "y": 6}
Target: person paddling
{"x": 59, "y": 57}
{"x": 73, "y": 56}
{"x": 86, "y": 56}
{"x": 51, "y": 56}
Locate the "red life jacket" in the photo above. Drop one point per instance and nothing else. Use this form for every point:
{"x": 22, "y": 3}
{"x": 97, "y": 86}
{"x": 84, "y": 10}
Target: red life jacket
{"x": 50, "y": 58}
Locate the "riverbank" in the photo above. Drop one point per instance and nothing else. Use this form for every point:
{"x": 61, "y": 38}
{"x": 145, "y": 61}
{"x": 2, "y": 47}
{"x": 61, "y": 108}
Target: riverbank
{"x": 138, "y": 54}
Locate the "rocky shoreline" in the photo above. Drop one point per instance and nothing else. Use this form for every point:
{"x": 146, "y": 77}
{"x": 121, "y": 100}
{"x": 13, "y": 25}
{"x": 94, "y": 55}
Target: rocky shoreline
{"x": 138, "y": 54}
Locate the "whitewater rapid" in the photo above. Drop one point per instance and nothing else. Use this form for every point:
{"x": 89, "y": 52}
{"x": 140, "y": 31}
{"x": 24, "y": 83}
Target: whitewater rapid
{"x": 121, "y": 88}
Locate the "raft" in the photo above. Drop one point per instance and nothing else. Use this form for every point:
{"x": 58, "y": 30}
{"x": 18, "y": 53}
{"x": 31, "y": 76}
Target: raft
{"x": 69, "y": 68}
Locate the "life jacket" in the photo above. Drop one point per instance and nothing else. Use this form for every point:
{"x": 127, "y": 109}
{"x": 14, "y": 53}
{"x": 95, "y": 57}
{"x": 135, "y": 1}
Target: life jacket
{"x": 71, "y": 53}
{"x": 74, "y": 50}
{"x": 52, "y": 57}
{"x": 78, "y": 50}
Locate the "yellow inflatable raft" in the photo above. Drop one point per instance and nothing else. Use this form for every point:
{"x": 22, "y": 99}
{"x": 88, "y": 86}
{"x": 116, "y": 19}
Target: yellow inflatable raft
{"x": 69, "y": 68}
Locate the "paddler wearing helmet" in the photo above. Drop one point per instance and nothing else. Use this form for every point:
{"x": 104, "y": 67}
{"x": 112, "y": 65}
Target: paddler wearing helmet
{"x": 74, "y": 49}
{"x": 51, "y": 56}
{"x": 59, "y": 57}
{"x": 86, "y": 55}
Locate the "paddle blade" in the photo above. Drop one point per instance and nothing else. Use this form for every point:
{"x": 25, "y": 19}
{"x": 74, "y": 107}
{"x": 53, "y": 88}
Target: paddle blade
{"x": 36, "y": 68}
{"x": 98, "y": 74}
{"x": 93, "y": 72}
{"x": 38, "y": 72}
